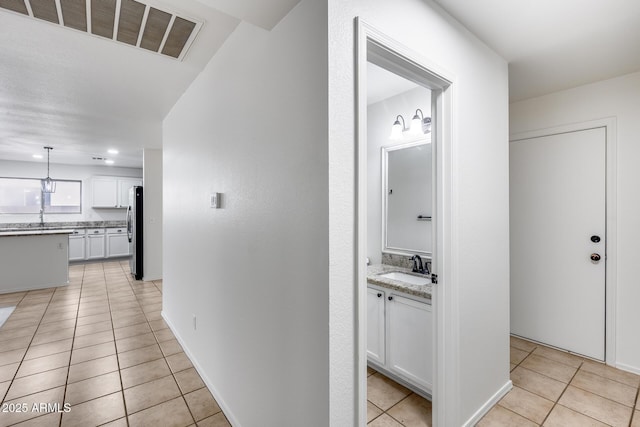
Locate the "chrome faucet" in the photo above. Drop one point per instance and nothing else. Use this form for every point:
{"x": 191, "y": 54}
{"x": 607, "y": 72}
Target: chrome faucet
{"x": 417, "y": 264}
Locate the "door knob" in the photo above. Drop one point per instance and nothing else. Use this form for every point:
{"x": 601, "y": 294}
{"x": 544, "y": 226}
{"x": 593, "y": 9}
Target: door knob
{"x": 595, "y": 239}
{"x": 595, "y": 257}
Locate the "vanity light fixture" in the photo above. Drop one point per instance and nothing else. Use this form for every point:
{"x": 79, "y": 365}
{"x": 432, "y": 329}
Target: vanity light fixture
{"x": 420, "y": 124}
{"x": 397, "y": 129}
{"x": 112, "y": 151}
{"x": 48, "y": 185}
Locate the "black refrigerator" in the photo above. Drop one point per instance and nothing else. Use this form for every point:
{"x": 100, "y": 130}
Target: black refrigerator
{"x": 135, "y": 231}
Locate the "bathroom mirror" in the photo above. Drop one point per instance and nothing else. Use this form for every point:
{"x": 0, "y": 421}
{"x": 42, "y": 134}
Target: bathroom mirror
{"x": 406, "y": 195}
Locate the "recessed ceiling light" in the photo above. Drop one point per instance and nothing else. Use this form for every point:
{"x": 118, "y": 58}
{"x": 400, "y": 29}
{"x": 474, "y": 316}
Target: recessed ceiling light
{"x": 112, "y": 151}
{"x": 37, "y": 156}
{"x": 109, "y": 162}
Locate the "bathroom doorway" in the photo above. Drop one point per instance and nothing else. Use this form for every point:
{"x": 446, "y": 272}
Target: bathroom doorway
{"x": 394, "y": 82}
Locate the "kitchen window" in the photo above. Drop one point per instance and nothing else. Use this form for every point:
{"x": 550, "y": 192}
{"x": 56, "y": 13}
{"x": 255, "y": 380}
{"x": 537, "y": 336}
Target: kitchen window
{"x": 22, "y": 196}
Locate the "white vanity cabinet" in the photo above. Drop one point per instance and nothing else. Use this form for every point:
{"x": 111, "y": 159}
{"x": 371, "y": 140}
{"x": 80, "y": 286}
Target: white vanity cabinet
{"x": 95, "y": 243}
{"x": 375, "y": 325}
{"x": 117, "y": 242}
{"x": 410, "y": 340}
{"x": 77, "y": 245}
{"x": 400, "y": 336}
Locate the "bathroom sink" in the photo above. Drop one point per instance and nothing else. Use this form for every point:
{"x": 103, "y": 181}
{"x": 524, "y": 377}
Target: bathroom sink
{"x": 407, "y": 278}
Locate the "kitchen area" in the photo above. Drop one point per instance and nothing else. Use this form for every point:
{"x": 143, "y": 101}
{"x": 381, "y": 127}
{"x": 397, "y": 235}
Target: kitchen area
{"x": 94, "y": 215}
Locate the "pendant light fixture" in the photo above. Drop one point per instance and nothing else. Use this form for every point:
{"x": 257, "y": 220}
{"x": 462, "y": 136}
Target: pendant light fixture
{"x": 48, "y": 185}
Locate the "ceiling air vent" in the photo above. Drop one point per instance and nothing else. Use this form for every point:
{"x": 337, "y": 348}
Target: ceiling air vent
{"x": 126, "y": 21}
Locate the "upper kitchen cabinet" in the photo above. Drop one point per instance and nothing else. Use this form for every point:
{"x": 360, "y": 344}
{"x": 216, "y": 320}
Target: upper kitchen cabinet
{"x": 112, "y": 191}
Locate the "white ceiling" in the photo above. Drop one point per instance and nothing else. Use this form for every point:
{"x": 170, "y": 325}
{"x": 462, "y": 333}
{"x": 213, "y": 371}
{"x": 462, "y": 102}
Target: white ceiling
{"x": 383, "y": 84}
{"x": 555, "y": 44}
{"x": 83, "y": 94}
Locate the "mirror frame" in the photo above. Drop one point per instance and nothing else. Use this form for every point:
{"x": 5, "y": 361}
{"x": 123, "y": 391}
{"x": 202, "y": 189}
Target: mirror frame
{"x": 384, "y": 156}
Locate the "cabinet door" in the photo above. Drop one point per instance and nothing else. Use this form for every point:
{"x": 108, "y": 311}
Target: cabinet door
{"x": 375, "y": 325}
{"x": 95, "y": 246}
{"x": 104, "y": 192}
{"x": 410, "y": 340}
{"x": 117, "y": 244}
{"x": 76, "y": 247}
{"x": 124, "y": 184}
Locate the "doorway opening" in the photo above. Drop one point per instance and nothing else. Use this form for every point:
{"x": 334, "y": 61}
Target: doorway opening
{"x": 422, "y": 359}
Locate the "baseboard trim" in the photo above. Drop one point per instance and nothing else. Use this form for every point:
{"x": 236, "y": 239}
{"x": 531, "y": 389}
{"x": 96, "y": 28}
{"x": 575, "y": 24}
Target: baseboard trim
{"x": 207, "y": 382}
{"x": 628, "y": 368}
{"x": 489, "y": 404}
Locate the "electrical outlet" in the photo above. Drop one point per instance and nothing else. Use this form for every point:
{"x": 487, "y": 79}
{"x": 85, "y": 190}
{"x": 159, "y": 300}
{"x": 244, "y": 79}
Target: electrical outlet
{"x": 195, "y": 324}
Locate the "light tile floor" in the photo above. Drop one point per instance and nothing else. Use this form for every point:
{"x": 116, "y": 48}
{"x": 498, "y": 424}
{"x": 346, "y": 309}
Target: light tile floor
{"x": 555, "y": 388}
{"x": 390, "y": 404}
{"x": 100, "y": 346}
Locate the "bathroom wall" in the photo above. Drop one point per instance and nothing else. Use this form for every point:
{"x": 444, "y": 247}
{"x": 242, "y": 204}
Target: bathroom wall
{"x": 616, "y": 98}
{"x": 380, "y": 117}
{"x": 15, "y": 169}
{"x": 477, "y": 278}
{"x": 254, "y": 273}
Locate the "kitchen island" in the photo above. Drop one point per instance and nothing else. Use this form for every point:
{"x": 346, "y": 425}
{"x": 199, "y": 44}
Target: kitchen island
{"x": 33, "y": 259}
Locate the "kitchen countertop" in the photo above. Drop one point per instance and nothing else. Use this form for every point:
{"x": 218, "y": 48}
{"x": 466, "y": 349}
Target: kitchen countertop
{"x": 35, "y": 226}
{"x": 373, "y": 277}
{"x": 27, "y": 232}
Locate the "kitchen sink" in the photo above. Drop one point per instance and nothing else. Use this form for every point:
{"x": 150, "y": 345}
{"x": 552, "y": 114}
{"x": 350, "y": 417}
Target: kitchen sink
{"x": 407, "y": 278}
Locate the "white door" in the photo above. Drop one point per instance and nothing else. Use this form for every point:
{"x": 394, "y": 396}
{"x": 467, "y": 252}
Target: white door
{"x": 558, "y": 206}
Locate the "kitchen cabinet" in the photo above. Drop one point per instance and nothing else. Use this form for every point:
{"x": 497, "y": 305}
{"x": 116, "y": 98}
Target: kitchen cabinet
{"x": 77, "y": 245}
{"x": 375, "y": 325}
{"x": 124, "y": 184}
{"x": 400, "y": 337}
{"x": 112, "y": 191}
{"x": 117, "y": 242}
{"x": 96, "y": 243}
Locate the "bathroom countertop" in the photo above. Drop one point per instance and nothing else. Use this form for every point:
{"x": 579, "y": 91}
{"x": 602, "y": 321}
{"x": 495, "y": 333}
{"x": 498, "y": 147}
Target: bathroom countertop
{"x": 373, "y": 277}
{"x": 27, "y": 232}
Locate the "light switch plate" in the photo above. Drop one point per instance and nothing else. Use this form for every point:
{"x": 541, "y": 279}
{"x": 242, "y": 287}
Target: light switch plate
{"x": 214, "y": 201}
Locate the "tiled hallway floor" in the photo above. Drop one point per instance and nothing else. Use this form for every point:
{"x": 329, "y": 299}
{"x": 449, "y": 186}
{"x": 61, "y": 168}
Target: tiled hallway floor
{"x": 101, "y": 346}
{"x": 554, "y": 388}
{"x": 390, "y": 404}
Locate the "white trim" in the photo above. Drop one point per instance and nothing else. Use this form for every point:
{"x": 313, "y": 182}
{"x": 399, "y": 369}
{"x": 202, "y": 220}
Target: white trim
{"x": 143, "y": 24}
{"x": 488, "y": 405}
{"x": 397, "y": 58}
{"x": 610, "y": 125}
{"x": 88, "y": 10}
{"x": 214, "y": 391}
{"x": 116, "y": 20}
{"x": 59, "y": 12}
{"x": 27, "y": 3}
{"x": 628, "y": 368}
{"x": 166, "y": 33}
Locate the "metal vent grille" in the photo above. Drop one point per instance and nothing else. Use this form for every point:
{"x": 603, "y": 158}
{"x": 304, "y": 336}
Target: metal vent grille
{"x": 126, "y": 21}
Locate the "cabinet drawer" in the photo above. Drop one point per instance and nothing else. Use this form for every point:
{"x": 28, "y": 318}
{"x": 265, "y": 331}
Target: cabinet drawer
{"x": 92, "y": 231}
{"x": 121, "y": 230}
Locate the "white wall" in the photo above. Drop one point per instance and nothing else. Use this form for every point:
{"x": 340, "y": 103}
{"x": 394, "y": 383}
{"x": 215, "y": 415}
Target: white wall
{"x": 480, "y": 197}
{"x": 16, "y": 169}
{"x": 380, "y": 117}
{"x": 617, "y": 98}
{"x": 152, "y": 193}
{"x": 253, "y": 127}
